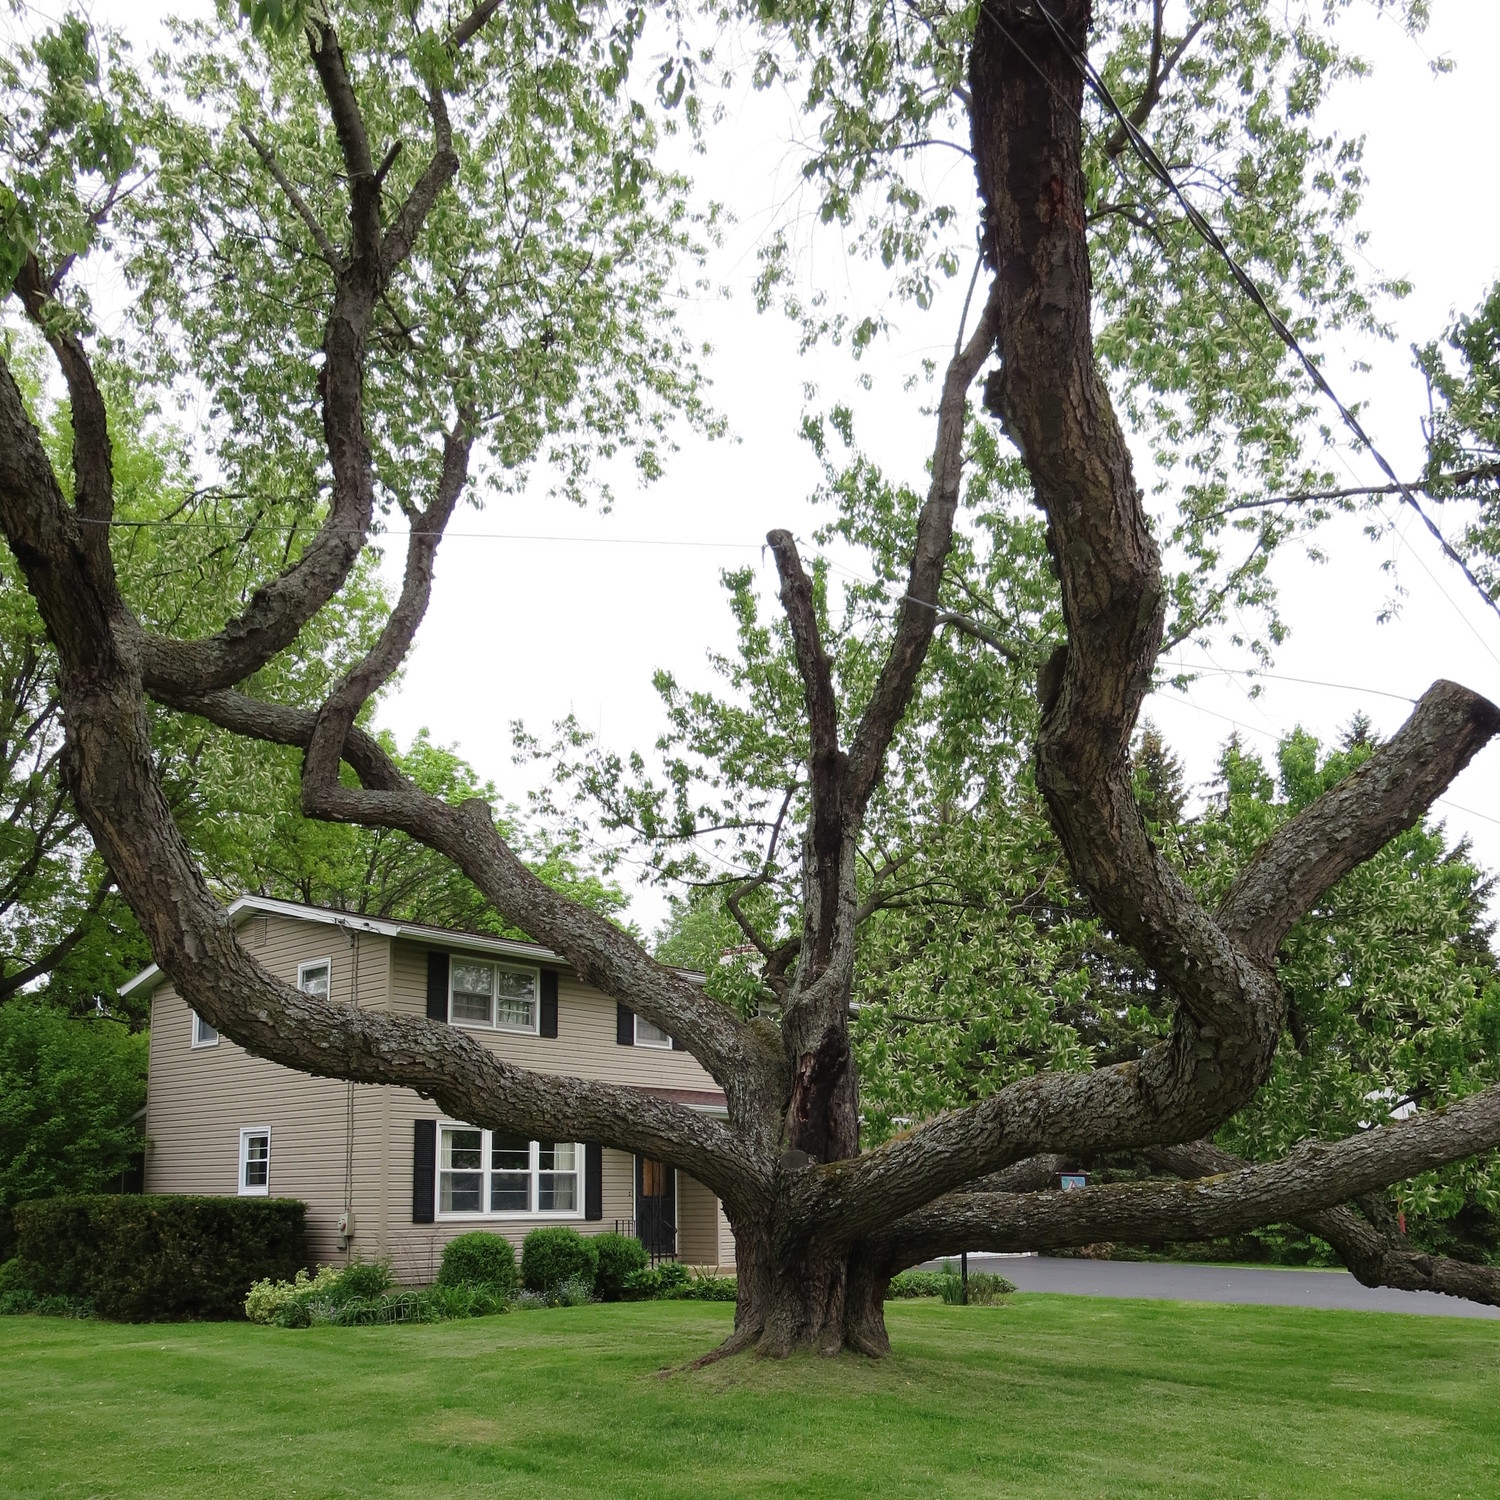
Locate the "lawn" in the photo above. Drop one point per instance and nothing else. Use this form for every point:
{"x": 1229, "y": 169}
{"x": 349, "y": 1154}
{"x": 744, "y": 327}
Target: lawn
{"x": 1046, "y": 1396}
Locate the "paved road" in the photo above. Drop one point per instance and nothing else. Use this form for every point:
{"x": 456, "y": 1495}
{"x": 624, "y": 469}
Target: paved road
{"x": 1179, "y": 1283}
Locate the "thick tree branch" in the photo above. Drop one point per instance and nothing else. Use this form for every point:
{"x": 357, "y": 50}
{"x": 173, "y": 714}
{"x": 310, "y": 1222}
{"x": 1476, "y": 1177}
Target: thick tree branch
{"x": 354, "y": 143}
{"x": 1312, "y": 852}
{"x": 281, "y": 607}
{"x": 1311, "y": 1179}
{"x": 93, "y": 464}
{"x": 918, "y": 615}
{"x": 1376, "y": 1254}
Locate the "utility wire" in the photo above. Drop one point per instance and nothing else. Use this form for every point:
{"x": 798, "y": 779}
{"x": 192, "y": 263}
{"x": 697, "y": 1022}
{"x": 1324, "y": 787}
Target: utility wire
{"x": 1210, "y": 236}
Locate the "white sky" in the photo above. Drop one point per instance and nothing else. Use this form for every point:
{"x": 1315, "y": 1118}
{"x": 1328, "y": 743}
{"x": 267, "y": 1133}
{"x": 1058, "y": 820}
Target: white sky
{"x": 577, "y": 617}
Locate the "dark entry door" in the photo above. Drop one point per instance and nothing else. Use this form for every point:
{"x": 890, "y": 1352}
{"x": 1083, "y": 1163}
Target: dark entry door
{"x": 656, "y": 1207}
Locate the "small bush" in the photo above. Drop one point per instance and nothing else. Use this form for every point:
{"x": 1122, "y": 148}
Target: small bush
{"x": 365, "y": 1278}
{"x": 479, "y": 1259}
{"x": 139, "y": 1258}
{"x": 984, "y": 1288}
{"x": 666, "y": 1280}
{"x": 576, "y": 1291}
{"x": 915, "y": 1284}
{"x": 19, "y": 1300}
{"x": 552, "y": 1256}
{"x": 619, "y": 1255}
{"x": 293, "y": 1314}
{"x": 706, "y": 1288}
{"x": 267, "y": 1298}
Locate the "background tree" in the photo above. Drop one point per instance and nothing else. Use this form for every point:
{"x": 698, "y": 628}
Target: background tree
{"x": 71, "y": 1088}
{"x": 454, "y": 307}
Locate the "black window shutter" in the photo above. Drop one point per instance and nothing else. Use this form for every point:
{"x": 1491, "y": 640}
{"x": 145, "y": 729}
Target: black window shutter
{"x": 677, "y": 1046}
{"x": 549, "y": 1002}
{"x": 423, "y": 1170}
{"x": 593, "y": 1181}
{"x": 624, "y": 1025}
{"x": 437, "y": 985}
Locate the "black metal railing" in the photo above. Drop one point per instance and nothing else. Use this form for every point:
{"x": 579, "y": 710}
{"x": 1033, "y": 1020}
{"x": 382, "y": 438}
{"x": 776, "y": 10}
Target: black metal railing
{"x": 659, "y": 1236}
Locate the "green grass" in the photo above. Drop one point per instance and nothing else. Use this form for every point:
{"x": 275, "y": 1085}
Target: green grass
{"x": 1045, "y": 1396}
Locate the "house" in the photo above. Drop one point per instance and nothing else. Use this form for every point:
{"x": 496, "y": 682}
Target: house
{"x": 383, "y": 1172}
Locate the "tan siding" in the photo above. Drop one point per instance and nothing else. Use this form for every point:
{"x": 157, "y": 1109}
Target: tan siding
{"x": 726, "y": 1237}
{"x": 585, "y": 1045}
{"x": 697, "y": 1226}
{"x": 200, "y": 1098}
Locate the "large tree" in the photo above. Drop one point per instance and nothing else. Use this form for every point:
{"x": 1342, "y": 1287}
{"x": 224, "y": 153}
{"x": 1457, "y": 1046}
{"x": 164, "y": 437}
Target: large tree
{"x": 393, "y": 246}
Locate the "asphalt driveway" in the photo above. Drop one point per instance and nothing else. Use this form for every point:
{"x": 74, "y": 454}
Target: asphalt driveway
{"x": 1188, "y": 1283}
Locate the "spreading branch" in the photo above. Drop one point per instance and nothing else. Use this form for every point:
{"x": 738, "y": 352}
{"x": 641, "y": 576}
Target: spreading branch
{"x": 1375, "y": 1249}
{"x": 1315, "y": 1177}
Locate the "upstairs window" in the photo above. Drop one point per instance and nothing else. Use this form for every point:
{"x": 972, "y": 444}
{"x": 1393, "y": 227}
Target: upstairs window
{"x": 315, "y": 978}
{"x": 492, "y": 995}
{"x": 490, "y": 1172}
{"x": 204, "y": 1035}
{"x": 647, "y": 1035}
{"x": 255, "y": 1161}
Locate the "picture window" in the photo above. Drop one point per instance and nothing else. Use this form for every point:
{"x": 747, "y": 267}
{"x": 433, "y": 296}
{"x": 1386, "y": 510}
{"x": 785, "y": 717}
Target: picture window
{"x": 490, "y": 1172}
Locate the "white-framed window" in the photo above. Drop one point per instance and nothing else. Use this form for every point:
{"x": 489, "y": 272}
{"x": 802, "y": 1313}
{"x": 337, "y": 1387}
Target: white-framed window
{"x": 647, "y": 1035}
{"x": 496, "y": 996}
{"x": 204, "y": 1035}
{"x": 490, "y": 1173}
{"x": 255, "y": 1161}
{"x": 315, "y": 977}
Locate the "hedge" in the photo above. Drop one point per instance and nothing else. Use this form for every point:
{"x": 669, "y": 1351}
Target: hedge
{"x": 142, "y": 1259}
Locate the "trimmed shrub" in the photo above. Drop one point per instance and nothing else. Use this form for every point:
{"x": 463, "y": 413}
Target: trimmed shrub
{"x": 619, "y": 1255}
{"x": 140, "y": 1258}
{"x": 552, "y": 1256}
{"x": 479, "y": 1259}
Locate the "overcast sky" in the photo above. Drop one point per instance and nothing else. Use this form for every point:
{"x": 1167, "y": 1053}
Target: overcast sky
{"x": 576, "y": 616}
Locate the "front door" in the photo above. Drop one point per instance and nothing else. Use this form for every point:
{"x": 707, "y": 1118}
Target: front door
{"x": 656, "y": 1207}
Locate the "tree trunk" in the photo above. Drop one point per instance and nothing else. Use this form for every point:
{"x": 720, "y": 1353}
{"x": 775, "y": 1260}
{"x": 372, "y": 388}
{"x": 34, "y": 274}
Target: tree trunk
{"x": 817, "y": 1296}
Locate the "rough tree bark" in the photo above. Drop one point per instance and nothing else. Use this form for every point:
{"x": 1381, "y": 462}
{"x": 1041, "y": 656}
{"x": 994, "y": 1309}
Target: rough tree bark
{"x": 820, "y": 1225}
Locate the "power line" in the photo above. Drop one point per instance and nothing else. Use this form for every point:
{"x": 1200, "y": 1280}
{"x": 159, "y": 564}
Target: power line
{"x": 1346, "y": 687}
{"x": 1210, "y": 236}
